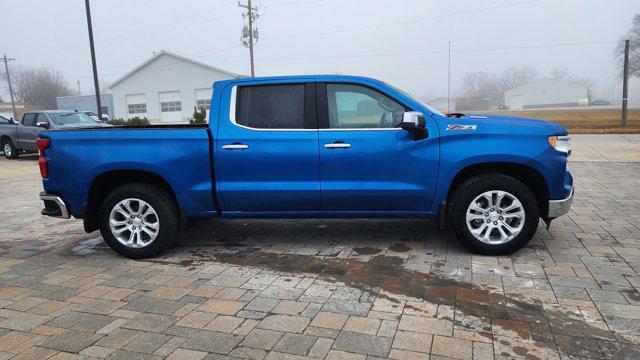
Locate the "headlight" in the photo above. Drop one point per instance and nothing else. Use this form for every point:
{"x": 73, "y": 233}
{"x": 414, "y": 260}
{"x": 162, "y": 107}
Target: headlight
{"x": 561, "y": 143}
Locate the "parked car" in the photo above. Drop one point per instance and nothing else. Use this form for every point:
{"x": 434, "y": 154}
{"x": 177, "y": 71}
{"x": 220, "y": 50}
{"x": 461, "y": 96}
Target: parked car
{"x": 309, "y": 147}
{"x": 95, "y": 116}
{"x": 600, "y": 102}
{"x": 17, "y": 138}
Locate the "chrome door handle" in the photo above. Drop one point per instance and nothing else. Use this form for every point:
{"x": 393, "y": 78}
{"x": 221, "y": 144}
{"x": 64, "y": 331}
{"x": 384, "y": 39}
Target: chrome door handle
{"x": 235, "y": 147}
{"x": 337, "y": 146}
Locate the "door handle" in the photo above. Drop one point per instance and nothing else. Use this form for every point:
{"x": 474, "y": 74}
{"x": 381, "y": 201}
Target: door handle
{"x": 337, "y": 145}
{"x": 235, "y": 147}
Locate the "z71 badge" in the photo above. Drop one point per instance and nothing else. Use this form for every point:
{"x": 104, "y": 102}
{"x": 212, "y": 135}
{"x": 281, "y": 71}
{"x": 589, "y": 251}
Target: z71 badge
{"x": 461, "y": 127}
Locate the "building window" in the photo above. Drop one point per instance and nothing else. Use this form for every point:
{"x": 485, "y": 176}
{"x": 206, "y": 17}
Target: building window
{"x": 203, "y": 104}
{"x": 137, "y": 108}
{"x": 168, "y": 106}
{"x": 104, "y": 109}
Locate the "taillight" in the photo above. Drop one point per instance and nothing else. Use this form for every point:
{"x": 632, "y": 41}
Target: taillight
{"x": 43, "y": 144}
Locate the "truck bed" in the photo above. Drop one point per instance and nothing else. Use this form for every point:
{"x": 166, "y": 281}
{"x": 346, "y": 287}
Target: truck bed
{"x": 176, "y": 153}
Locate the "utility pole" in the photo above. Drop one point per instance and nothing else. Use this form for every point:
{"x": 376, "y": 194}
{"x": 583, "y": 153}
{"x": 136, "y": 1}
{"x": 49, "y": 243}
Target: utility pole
{"x": 79, "y": 91}
{"x": 6, "y": 60}
{"x": 449, "y": 79}
{"x": 251, "y": 15}
{"x": 625, "y": 83}
{"x": 93, "y": 60}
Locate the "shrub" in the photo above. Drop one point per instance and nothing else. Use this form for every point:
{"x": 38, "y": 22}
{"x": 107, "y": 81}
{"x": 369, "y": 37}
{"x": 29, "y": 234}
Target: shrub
{"x": 138, "y": 121}
{"x": 117, "y": 122}
{"x": 199, "y": 116}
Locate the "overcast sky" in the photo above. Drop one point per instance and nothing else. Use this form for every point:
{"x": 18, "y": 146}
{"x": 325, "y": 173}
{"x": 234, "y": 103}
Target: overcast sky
{"x": 403, "y": 42}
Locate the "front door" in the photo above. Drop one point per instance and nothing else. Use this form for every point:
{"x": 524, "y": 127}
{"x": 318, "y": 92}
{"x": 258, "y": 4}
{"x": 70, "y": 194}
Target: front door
{"x": 367, "y": 163}
{"x": 267, "y": 149}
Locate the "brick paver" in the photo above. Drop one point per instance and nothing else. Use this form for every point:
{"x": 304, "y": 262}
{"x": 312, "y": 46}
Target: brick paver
{"x": 340, "y": 289}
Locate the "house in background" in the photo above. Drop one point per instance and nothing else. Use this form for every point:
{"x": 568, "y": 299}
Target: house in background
{"x": 545, "y": 93}
{"x": 166, "y": 88}
{"x": 86, "y": 103}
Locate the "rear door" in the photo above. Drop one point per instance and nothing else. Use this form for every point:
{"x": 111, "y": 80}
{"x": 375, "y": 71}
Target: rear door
{"x": 267, "y": 148}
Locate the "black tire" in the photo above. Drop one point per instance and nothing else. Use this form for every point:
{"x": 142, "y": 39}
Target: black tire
{"x": 9, "y": 151}
{"x": 474, "y": 187}
{"x": 163, "y": 203}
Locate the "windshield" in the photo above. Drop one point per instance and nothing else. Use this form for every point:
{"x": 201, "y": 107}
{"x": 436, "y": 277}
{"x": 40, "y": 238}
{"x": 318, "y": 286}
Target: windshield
{"x": 422, "y": 103}
{"x": 70, "y": 118}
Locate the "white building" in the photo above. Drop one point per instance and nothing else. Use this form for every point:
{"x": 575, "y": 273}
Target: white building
{"x": 545, "y": 93}
{"x": 443, "y": 104}
{"x": 165, "y": 88}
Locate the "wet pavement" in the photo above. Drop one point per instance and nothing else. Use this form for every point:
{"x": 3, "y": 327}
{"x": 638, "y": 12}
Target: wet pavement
{"x": 350, "y": 289}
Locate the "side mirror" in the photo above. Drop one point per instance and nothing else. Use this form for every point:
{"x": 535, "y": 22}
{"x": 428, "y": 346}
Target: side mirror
{"x": 44, "y": 125}
{"x": 415, "y": 123}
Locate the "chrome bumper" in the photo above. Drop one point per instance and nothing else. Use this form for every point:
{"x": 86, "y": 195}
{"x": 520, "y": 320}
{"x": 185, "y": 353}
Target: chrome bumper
{"x": 54, "y": 206}
{"x": 560, "y": 207}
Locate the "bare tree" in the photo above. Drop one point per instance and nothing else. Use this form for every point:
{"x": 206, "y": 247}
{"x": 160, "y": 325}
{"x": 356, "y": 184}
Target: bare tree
{"x": 565, "y": 76}
{"x": 634, "y": 48}
{"x": 560, "y": 74}
{"x": 39, "y": 87}
{"x": 483, "y": 89}
{"x": 514, "y": 77}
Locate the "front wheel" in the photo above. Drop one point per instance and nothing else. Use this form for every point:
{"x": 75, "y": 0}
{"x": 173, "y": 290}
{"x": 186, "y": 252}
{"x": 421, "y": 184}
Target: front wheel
{"x": 493, "y": 214}
{"x": 139, "y": 220}
{"x": 10, "y": 151}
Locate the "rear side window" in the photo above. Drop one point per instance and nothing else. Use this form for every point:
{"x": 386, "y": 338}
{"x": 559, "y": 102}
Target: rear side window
{"x": 271, "y": 106}
{"x": 29, "y": 119}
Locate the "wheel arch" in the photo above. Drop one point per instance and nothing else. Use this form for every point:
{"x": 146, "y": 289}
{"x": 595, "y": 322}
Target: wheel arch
{"x": 106, "y": 182}
{"x": 528, "y": 175}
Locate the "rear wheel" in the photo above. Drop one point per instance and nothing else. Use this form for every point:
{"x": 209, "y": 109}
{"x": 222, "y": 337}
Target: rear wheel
{"x": 10, "y": 151}
{"x": 139, "y": 220}
{"x": 493, "y": 214}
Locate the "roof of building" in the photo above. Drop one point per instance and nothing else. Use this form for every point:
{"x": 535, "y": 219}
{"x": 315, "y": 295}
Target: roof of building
{"x": 164, "y": 52}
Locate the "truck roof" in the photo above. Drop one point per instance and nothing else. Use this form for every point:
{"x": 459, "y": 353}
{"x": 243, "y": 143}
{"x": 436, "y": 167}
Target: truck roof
{"x": 320, "y": 78}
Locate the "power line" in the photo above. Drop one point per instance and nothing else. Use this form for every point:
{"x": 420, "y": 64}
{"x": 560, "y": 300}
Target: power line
{"x": 402, "y": 22}
{"x": 438, "y": 51}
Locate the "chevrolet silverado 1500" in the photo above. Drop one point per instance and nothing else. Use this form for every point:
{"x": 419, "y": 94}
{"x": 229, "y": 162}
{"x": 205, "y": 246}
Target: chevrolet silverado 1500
{"x": 311, "y": 147}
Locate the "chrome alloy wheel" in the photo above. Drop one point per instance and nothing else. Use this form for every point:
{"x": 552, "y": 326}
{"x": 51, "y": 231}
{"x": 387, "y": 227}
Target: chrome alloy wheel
{"x": 7, "y": 150}
{"x": 134, "y": 223}
{"x": 495, "y": 217}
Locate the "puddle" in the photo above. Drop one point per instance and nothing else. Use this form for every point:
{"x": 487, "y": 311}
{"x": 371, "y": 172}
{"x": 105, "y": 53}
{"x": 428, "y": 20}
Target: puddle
{"x": 86, "y": 247}
{"x": 366, "y": 250}
{"x": 399, "y": 247}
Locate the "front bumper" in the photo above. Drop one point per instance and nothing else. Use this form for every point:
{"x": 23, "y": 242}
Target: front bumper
{"x": 54, "y": 206}
{"x": 560, "y": 207}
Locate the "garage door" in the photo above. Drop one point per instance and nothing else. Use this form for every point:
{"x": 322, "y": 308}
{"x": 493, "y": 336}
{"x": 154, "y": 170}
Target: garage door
{"x": 136, "y": 105}
{"x": 515, "y": 102}
{"x": 170, "y": 107}
{"x": 203, "y": 100}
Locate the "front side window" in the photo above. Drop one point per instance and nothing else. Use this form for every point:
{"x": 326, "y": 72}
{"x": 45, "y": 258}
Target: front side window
{"x": 359, "y": 107}
{"x": 137, "y": 108}
{"x": 271, "y": 106}
{"x": 41, "y": 119}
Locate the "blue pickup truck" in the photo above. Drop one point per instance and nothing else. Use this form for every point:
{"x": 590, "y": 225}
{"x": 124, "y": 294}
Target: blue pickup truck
{"x": 311, "y": 147}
